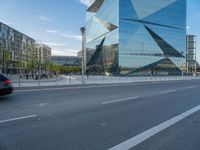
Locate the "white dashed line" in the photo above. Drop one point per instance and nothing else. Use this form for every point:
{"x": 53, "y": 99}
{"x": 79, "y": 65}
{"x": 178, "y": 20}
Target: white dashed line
{"x": 19, "y": 118}
{"x": 191, "y": 87}
{"x": 120, "y": 100}
{"x": 132, "y": 142}
{"x": 166, "y": 92}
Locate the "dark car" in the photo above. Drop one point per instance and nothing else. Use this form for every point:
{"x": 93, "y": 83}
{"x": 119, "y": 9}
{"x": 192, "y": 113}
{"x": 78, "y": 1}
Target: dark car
{"x": 5, "y": 86}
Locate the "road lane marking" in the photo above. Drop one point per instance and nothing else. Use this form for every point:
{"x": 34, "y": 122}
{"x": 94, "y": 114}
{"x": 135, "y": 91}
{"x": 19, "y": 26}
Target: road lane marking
{"x": 120, "y": 100}
{"x": 42, "y": 104}
{"x": 166, "y": 92}
{"x": 191, "y": 87}
{"x": 132, "y": 142}
{"x": 18, "y": 118}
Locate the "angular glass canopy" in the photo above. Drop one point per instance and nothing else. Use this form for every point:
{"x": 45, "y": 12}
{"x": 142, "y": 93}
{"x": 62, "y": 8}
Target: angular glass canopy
{"x": 137, "y": 36}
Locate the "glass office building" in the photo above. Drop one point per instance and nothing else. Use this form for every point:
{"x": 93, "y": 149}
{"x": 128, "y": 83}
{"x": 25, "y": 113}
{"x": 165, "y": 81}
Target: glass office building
{"x": 15, "y": 49}
{"x": 136, "y": 37}
{"x": 66, "y": 60}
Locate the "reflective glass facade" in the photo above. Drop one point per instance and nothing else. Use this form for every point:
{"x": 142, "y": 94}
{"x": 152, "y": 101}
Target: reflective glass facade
{"x": 17, "y": 46}
{"x": 191, "y": 53}
{"x": 137, "y": 37}
{"x": 66, "y": 60}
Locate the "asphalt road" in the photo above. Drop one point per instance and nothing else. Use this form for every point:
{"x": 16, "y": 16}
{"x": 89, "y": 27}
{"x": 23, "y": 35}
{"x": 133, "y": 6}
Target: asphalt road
{"x": 138, "y": 116}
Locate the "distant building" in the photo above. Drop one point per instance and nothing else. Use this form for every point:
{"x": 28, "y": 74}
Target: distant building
{"x": 88, "y": 54}
{"x": 66, "y": 60}
{"x": 79, "y": 54}
{"x": 191, "y": 53}
{"x": 16, "y": 50}
{"x": 43, "y": 53}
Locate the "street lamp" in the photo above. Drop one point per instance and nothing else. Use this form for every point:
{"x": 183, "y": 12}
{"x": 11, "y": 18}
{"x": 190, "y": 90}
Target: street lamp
{"x": 3, "y": 67}
{"x": 195, "y": 67}
{"x": 39, "y": 57}
{"x": 182, "y": 63}
{"x": 83, "y": 30}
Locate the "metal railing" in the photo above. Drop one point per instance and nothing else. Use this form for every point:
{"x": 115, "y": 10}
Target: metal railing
{"x": 92, "y": 79}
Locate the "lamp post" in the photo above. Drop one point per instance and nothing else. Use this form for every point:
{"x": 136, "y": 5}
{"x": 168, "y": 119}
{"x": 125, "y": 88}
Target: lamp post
{"x": 195, "y": 65}
{"x": 39, "y": 57}
{"x": 187, "y": 63}
{"x": 3, "y": 64}
{"x": 83, "y": 30}
{"x": 182, "y": 63}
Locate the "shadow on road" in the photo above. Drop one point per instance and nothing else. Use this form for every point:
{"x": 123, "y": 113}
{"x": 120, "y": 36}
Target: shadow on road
{"x": 5, "y": 98}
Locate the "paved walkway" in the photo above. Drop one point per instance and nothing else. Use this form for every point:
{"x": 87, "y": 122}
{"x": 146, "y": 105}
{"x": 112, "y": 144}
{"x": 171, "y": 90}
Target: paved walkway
{"x": 75, "y": 80}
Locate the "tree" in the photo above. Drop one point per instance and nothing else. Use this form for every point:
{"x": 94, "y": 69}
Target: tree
{"x": 59, "y": 69}
{"x": 6, "y": 59}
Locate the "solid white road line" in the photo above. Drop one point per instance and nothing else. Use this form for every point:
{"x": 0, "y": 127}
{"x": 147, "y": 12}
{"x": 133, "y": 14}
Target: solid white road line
{"x": 120, "y": 100}
{"x": 166, "y": 92}
{"x": 132, "y": 142}
{"x": 19, "y": 118}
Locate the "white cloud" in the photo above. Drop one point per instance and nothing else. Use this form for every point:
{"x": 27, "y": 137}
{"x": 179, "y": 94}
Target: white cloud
{"x": 188, "y": 27}
{"x": 87, "y": 2}
{"x": 52, "y": 31}
{"x": 72, "y": 36}
{"x": 45, "y": 18}
{"x": 68, "y": 34}
{"x": 54, "y": 44}
{"x": 61, "y": 49}
{"x": 64, "y": 52}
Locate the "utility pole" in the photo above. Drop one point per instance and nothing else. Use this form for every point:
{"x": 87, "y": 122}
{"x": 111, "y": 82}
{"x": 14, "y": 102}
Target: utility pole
{"x": 83, "y": 31}
{"x": 195, "y": 65}
{"x": 182, "y": 64}
{"x": 187, "y": 53}
{"x": 3, "y": 64}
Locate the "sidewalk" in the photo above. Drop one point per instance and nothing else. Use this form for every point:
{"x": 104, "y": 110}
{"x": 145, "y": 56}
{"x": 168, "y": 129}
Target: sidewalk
{"x": 78, "y": 80}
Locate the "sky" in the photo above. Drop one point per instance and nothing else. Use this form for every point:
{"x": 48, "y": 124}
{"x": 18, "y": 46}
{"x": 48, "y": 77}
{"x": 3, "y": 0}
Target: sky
{"x": 57, "y": 23}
